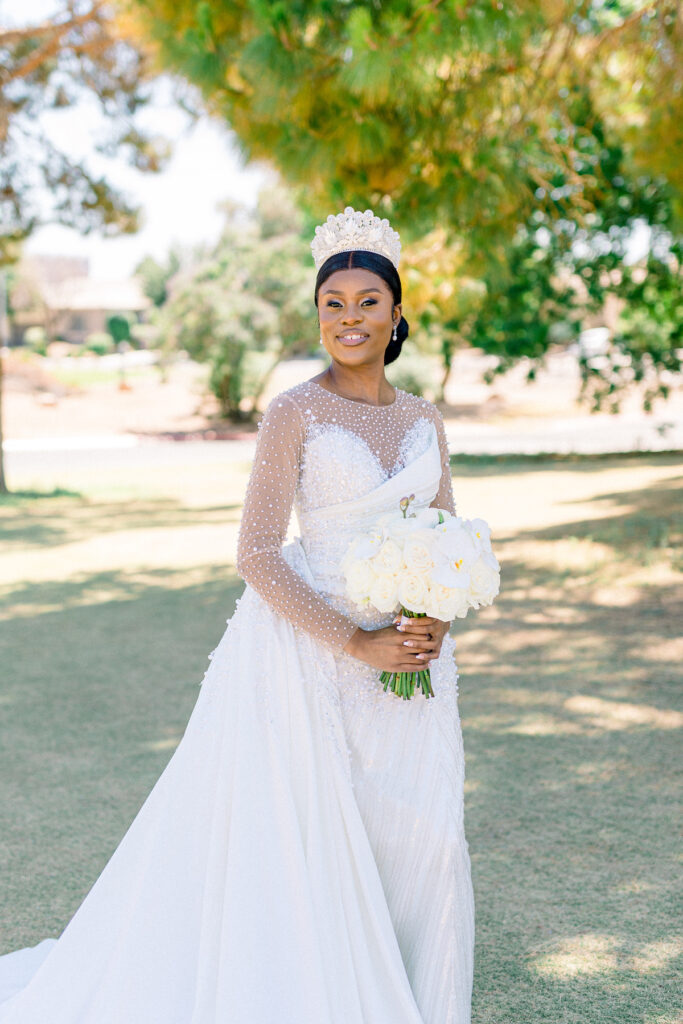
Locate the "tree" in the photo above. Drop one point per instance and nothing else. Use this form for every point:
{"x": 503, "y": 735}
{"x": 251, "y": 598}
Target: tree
{"x": 154, "y": 275}
{"x": 559, "y": 275}
{"x": 246, "y": 304}
{"x": 442, "y": 113}
{"x": 79, "y": 54}
{"x": 3, "y": 340}
{"x": 488, "y": 126}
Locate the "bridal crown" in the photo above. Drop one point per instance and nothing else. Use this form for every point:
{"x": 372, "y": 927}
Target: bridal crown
{"x": 355, "y": 230}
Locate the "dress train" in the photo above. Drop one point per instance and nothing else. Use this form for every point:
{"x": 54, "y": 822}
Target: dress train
{"x": 245, "y": 890}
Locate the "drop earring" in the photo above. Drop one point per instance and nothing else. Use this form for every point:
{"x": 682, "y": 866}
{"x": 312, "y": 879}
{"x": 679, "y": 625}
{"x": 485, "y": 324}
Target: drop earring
{"x": 394, "y": 336}
{"x": 321, "y": 340}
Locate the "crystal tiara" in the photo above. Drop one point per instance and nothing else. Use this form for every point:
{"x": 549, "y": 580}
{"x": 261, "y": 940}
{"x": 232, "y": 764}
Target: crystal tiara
{"x": 355, "y": 230}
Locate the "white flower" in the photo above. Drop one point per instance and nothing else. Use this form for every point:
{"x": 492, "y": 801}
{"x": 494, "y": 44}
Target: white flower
{"x": 457, "y": 544}
{"x": 383, "y": 594}
{"x": 450, "y": 524}
{"x": 389, "y": 557}
{"x": 400, "y": 528}
{"x": 418, "y": 550}
{"x": 484, "y": 583}
{"x": 481, "y": 532}
{"x": 362, "y": 547}
{"x": 367, "y": 547}
{"x": 359, "y": 579}
{"x": 461, "y": 604}
{"x": 439, "y": 568}
{"x": 386, "y": 519}
{"x": 412, "y": 590}
{"x": 441, "y": 602}
{"x": 428, "y": 517}
{"x": 490, "y": 559}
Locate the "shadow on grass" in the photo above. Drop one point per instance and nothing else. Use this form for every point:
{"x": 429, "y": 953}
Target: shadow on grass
{"x": 93, "y": 702}
{"x": 71, "y": 518}
{"x": 643, "y": 521}
{"x": 571, "y": 726}
{"x": 13, "y": 498}
{"x": 504, "y": 464}
{"x": 96, "y": 588}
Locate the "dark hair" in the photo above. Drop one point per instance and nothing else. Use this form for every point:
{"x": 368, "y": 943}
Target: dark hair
{"x": 385, "y": 269}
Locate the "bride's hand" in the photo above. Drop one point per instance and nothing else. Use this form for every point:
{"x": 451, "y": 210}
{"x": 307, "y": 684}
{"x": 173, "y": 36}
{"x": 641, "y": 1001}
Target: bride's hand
{"x": 409, "y": 649}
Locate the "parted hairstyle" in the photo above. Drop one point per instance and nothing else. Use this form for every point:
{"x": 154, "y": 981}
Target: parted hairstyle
{"x": 385, "y": 269}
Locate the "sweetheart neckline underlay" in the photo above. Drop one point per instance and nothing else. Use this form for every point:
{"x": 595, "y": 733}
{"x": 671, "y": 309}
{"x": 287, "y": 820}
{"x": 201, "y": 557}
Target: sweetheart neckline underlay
{"x": 335, "y": 508}
{"x": 387, "y": 474}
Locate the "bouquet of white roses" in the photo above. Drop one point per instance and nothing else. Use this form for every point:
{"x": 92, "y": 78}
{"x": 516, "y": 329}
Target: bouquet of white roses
{"x": 429, "y": 562}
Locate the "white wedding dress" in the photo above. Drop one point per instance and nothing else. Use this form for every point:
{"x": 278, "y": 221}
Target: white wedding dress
{"x": 302, "y": 858}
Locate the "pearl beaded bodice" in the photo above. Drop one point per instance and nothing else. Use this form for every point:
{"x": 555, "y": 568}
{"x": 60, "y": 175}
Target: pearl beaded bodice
{"x": 339, "y": 464}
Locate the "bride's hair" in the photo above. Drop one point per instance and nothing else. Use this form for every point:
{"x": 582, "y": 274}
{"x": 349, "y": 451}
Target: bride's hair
{"x": 385, "y": 269}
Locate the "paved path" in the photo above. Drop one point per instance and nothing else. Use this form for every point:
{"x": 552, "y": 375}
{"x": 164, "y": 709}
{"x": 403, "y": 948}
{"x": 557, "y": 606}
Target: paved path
{"x": 586, "y": 435}
{"x": 596, "y": 434}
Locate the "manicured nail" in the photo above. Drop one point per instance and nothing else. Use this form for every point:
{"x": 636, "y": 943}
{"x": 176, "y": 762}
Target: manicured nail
{"x": 408, "y": 643}
{"x": 401, "y": 629}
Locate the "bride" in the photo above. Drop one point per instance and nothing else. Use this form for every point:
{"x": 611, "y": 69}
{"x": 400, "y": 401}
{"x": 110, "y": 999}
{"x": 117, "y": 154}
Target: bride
{"x": 302, "y": 858}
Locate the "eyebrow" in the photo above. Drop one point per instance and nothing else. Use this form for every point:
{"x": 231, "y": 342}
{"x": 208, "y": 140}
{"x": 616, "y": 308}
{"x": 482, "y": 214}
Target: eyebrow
{"x": 333, "y": 291}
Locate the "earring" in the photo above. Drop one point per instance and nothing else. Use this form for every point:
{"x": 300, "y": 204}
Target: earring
{"x": 321, "y": 340}
{"x": 394, "y": 334}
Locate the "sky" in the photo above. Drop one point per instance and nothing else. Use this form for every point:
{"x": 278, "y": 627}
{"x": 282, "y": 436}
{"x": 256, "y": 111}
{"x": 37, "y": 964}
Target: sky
{"x": 179, "y": 204}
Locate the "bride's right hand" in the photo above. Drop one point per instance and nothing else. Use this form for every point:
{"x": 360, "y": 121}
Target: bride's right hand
{"x": 386, "y": 649}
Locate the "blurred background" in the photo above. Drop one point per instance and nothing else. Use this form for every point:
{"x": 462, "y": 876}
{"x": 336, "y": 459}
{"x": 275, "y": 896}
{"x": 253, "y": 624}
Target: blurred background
{"x": 162, "y": 169}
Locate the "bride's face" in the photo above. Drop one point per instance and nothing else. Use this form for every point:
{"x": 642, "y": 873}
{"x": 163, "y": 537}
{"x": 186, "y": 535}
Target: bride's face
{"x": 357, "y": 315}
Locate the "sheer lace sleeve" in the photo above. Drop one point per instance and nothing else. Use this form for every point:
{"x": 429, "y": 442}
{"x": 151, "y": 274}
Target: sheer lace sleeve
{"x": 444, "y": 498}
{"x": 265, "y": 518}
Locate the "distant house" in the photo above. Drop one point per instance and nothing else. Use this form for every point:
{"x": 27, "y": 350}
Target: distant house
{"x": 57, "y": 294}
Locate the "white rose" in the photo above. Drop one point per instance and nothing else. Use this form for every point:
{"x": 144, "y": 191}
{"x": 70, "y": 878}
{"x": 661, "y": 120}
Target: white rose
{"x": 490, "y": 559}
{"x": 441, "y": 603}
{"x": 362, "y": 547}
{"x": 389, "y": 557}
{"x": 418, "y": 551}
{"x": 359, "y": 579}
{"x": 383, "y": 593}
{"x": 412, "y": 591}
{"x": 461, "y": 604}
{"x": 484, "y": 583}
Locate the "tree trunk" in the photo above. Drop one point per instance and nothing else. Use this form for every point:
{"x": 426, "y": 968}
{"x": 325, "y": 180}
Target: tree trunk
{"x": 3, "y": 483}
{"x": 3, "y": 340}
{"x": 264, "y": 381}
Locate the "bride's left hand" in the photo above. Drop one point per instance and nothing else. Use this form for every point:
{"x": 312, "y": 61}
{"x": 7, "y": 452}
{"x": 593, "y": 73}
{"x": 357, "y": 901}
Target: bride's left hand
{"x": 425, "y": 634}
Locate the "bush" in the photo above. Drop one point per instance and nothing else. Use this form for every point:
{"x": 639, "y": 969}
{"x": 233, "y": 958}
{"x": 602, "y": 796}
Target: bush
{"x": 144, "y": 335}
{"x": 415, "y": 372}
{"x": 99, "y": 343}
{"x": 36, "y": 339}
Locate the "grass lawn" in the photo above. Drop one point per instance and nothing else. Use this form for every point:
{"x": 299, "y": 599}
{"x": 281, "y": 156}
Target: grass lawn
{"x": 111, "y": 600}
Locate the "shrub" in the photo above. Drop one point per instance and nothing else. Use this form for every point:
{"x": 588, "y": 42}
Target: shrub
{"x": 99, "y": 343}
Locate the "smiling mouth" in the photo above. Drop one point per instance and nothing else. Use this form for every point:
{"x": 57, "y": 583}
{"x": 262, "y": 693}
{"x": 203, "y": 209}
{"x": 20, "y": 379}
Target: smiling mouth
{"x": 352, "y": 339}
